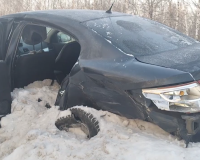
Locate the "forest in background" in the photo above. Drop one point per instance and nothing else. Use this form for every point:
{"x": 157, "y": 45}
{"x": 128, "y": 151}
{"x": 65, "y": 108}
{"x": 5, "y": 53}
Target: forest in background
{"x": 183, "y": 15}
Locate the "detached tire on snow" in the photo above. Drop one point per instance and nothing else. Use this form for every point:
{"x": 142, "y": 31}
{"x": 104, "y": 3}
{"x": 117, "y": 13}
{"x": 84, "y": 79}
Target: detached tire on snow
{"x": 79, "y": 118}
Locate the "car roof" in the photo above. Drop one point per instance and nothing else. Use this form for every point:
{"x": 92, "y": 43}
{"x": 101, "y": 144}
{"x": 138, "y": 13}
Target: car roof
{"x": 73, "y": 14}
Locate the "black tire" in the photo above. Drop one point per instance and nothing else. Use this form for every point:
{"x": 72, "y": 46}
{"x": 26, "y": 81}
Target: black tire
{"x": 89, "y": 124}
{"x": 64, "y": 123}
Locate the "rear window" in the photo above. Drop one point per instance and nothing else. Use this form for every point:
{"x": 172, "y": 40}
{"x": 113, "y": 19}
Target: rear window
{"x": 139, "y": 36}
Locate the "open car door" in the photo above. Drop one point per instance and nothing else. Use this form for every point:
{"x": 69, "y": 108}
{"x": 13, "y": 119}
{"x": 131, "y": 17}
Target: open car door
{"x": 5, "y": 89}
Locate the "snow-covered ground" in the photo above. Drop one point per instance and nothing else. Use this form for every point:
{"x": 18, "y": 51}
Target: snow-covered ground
{"x": 29, "y": 133}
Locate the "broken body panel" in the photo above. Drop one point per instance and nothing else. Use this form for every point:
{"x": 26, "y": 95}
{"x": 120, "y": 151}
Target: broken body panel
{"x": 106, "y": 78}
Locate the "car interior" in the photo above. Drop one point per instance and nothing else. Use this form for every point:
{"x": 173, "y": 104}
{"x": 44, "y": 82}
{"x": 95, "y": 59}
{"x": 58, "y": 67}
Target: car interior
{"x": 44, "y": 53}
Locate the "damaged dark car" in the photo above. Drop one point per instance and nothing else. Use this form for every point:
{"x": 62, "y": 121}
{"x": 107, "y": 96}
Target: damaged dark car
{"x": 124, "y": 64}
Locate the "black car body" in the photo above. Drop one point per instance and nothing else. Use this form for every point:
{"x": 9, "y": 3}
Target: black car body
{"x": 128, "y": 65}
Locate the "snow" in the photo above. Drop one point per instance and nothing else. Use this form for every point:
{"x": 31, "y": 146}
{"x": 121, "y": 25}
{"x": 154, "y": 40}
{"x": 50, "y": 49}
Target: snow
{"x": 29, "y": 133}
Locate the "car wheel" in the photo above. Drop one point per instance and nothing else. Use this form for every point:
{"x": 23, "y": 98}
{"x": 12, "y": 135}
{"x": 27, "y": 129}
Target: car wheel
{"x": 79, "y": 118}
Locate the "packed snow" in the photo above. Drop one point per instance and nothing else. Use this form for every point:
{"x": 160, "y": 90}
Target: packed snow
{"x": 29, "y": 133}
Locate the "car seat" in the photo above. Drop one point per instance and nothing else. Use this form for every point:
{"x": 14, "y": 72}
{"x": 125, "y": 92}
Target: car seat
{"x": 65, "y": 60}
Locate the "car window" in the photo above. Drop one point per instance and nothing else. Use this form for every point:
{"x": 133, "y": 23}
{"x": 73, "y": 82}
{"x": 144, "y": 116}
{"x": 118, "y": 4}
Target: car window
{"x": 24, "y": 48}
{"x": 48, "y": 29}
{"x": 63, "y": 38}
{"x": 139, "y": 36}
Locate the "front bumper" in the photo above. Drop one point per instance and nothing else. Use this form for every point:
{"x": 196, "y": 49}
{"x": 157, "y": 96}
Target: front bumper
{"x": 192, "y": 124}
{"x": 185, "y": 126}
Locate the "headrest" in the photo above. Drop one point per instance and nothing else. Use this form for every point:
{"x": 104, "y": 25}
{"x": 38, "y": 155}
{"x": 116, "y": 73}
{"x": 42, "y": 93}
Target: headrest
{"x": 33, "y": 34}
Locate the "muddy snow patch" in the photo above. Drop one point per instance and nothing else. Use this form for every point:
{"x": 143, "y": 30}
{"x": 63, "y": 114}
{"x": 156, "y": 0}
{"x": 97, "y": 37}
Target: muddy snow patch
{"x": 29, "y": 133}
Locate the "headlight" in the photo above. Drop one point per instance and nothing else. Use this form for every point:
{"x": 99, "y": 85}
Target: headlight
{"x": 179, "y": 98}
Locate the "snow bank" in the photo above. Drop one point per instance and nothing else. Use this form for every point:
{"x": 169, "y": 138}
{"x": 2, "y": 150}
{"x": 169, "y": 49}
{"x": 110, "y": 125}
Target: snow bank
{"x": 29, "y": 133}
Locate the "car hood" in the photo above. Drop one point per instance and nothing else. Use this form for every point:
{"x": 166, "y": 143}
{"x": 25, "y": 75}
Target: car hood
{"x": 186, "y": 59}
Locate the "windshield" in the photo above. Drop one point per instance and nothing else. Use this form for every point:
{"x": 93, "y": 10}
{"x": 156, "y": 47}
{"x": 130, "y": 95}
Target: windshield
{"x": 139, "y": 36}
